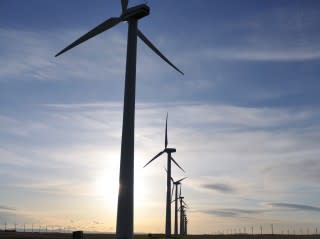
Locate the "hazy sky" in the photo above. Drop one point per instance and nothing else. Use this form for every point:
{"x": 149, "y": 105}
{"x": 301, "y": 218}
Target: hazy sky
{"x": 244, "y": 118}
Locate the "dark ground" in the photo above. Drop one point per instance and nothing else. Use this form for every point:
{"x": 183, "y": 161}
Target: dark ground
{"x": 29, "y": 235}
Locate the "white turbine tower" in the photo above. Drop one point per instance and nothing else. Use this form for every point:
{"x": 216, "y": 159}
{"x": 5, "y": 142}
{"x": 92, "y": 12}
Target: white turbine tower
{"x": 126, "y": 179}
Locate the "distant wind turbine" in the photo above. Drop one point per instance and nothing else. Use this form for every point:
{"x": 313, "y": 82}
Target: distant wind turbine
{"x": 125, "y": 197}
{"x": 183, "y": 205}
{"x": 175, "y": 187}
{"x": 182, "y": 217}
{"x": 169, "y": 151}
{"x": 185, "y": 225}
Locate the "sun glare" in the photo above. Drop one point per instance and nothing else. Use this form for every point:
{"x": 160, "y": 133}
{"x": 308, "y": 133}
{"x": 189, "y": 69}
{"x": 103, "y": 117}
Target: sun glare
{"x": 107, "y": 186}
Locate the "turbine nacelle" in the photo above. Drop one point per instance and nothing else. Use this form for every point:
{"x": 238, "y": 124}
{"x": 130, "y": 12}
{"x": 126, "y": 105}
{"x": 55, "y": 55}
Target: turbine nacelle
{"x": 136, "y": 12}
{"x": 170, "y": 150}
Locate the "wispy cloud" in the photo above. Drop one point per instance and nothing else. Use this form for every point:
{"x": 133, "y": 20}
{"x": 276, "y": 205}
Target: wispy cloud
{"x": 98, "y": 59}
{"x": 272, "y": 55}
{"x": 233, "y": 212}
{"x": 229, "y": 130}
{"x": 279, "y": 34}
{"x": 262, "y": 209}
{"x": 2, "y": 207}
{"x": 219, "y": 187}
{"x": 292, "y": 206}
{"x": 306, "y": 170}
{"x": 233, "y": 145}
{"x": 33, "y": 59}
{"x": 97, "y": 222}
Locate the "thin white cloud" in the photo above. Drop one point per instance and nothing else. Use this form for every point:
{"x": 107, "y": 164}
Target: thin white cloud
{"x": 98, "y": 59}
{"x": 33, "y": 58}
{"x": 7, "y": 208}
{"x": 272, "y": 55}
{"x": 279, "y": 34}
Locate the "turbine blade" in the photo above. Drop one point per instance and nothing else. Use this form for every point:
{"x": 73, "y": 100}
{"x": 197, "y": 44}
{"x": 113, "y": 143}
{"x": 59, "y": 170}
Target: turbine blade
{"x": 179, "y": 181}
{"x": 177, "y": 164}
{"x": 111, "y": 22}
{"x": 166, "y": 133}
{"x": 154, "y": 158}
{"x": 124, "y": 5}
{"x": 173, "y": 200}
{"x": 148, "y": 43}
{"x": 165, "y": 169}
{"x": 186, "y": 205}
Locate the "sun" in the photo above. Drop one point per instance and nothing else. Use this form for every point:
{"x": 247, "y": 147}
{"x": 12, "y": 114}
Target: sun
{"x": 106, "y": 186}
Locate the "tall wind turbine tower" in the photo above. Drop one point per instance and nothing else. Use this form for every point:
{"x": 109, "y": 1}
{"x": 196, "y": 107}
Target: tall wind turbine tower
{"x": 126, "y": 179}
{"x": 169, "y": 151}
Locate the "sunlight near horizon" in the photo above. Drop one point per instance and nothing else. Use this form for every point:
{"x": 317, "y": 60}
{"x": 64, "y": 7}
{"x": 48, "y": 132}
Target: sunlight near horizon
{"x": 106, "y": 185}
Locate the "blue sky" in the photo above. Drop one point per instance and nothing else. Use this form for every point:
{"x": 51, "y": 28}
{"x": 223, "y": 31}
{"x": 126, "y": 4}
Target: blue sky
{"x": 244, "y": 118}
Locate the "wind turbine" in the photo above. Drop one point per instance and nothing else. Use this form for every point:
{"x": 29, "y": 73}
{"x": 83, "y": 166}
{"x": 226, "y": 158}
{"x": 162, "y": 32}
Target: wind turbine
{"x": 169, "y": 151}
{"x": 185, "y": 225}
{"x": 183, "y": 205}
{"x": 175, "y": 186}
{"x": 126, "y": 179}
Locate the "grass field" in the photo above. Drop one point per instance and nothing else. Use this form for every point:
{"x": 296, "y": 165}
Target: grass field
{"x": 29, "y": 235}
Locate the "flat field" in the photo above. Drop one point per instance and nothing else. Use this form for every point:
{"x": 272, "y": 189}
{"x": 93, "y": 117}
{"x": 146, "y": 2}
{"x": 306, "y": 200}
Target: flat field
{"x": 29, "y": 235}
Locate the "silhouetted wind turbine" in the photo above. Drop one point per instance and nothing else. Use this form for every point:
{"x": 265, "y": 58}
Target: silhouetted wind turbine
{"x": 182, "y": 224}
{"x": 183, "y": 205}
{"x": 126, "y": 178}
{"x": 169, "y": 151}
{"x": 175, "y": 186}
{"x": 185, "y": 224}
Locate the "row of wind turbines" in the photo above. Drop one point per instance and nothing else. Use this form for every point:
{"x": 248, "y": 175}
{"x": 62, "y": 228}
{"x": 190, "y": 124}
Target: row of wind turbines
{"x": 125, "y": 210}
{"x": 176, "y": 187}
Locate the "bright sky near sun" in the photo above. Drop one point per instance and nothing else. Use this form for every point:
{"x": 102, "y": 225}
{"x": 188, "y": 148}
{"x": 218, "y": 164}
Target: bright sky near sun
{"x": 244, "y": 118}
